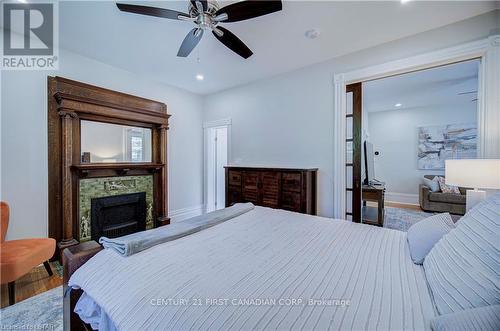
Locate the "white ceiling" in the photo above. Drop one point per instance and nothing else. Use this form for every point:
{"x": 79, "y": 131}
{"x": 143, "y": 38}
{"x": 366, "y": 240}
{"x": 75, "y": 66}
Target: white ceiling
{"x": 422, "y": 89}
{"x": 148, "y": 45}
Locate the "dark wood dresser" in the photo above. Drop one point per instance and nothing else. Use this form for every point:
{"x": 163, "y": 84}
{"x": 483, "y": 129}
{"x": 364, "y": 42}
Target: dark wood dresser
{"x": 283, "y": 188}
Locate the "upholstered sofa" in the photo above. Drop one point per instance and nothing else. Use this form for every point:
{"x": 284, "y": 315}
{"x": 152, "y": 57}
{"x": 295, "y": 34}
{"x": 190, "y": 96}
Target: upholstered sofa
{"x": 441, "y": 202}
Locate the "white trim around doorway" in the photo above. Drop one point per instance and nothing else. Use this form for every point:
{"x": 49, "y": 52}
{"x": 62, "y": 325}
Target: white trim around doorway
{"x": 487, "y": 50}
{"x": 227, "y": 123}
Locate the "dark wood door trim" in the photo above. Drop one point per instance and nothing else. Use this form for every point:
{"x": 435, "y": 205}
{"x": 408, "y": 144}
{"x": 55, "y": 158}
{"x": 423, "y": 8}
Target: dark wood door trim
{"x": 356, "y": 90}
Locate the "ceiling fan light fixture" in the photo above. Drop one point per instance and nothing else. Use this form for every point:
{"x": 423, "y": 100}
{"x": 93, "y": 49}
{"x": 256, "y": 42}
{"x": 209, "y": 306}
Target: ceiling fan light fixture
{"x": 186, "y": 18}
{"x": 199, "y": 7}
{"x": 221, "y": 17}
{"x": 218, "y": 32}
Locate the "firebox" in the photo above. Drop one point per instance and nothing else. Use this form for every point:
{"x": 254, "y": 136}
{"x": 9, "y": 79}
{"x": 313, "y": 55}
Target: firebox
{"x": 118, "y": 215}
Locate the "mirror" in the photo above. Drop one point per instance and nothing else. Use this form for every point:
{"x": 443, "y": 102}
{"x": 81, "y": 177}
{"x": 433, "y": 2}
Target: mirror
{"x": 110, "y": 143}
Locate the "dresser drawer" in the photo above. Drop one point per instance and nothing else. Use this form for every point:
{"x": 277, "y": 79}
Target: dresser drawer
{"x": 234, "y": 177}
{"x": 291, "y": 182}
{"x": 290, "y": 201}
{"x": 270, "y": 188}
{"x": 250, "y": 186}
{"x": 233, "y": 195}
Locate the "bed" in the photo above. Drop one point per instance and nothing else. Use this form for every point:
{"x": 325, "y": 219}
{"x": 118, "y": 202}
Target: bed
{"x": 267, "y": 269}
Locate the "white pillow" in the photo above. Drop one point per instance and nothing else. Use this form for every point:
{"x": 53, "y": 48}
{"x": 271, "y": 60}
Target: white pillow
{"x": 485, "y": 318}
{"x": 432, "y": 184}
{"x": 463, "y": 268}
{"x": 423, "y": 235}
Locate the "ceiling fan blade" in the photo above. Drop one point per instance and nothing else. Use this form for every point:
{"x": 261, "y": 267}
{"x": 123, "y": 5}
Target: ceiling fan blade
{"x": 192, "y": 39}
{"x": 232, "y": 42}
{"x": 245, "y": 10}
{"x": 204, "y": 4}
{"x": 151, "y": 11}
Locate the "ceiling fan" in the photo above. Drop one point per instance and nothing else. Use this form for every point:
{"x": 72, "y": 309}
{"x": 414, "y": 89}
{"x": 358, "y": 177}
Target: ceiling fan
{"x": 207, "y": 15}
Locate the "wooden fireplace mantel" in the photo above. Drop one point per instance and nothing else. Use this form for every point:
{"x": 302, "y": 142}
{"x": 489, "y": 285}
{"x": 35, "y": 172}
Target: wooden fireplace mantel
{"x": 95, "y": 170}
{"x": 69, "y": 102}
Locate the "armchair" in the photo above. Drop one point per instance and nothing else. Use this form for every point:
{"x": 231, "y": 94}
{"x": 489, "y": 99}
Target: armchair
{"x": 18, "y": 257}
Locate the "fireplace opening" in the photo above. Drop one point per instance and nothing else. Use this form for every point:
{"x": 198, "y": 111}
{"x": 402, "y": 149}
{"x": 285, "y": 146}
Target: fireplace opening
{"x": 118, "y": 215}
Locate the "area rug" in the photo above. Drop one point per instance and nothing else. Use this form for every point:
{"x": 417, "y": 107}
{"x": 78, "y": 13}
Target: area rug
{"x": 401, "y": 219}
{"x": 58, "y": 268}
{"x": 41, "y": 312}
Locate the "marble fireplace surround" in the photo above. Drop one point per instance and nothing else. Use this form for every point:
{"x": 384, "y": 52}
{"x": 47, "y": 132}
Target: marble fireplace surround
{"x": 111, "y": 186}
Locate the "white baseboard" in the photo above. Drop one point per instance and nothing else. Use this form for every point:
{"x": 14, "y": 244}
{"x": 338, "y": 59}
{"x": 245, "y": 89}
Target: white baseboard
{"x": 404, "y": 198}
{"x": 185, "y": 213}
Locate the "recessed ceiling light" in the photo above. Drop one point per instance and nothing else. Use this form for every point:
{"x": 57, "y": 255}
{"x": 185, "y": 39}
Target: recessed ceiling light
{"x": 312, "y": 33}
{"x": 405, "y": 1}
{"x": 199, "y": 77}
{"x": 398, "y": 105}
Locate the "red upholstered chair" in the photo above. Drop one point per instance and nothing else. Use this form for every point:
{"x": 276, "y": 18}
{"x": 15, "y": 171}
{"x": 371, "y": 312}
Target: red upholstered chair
{"x": 18, "y": 257}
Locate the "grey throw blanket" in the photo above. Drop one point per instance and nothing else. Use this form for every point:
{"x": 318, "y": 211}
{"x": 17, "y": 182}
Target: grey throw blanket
{"x": 139, "y": 241}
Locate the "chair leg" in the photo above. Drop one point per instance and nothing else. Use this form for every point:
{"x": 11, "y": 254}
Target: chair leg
{"x": 48, "y": 268}
{"x": 12, "y": 292}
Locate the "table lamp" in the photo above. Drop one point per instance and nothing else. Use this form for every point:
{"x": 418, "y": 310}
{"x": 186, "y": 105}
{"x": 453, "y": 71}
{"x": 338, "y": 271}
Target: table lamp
{"x": 473, "y": 173}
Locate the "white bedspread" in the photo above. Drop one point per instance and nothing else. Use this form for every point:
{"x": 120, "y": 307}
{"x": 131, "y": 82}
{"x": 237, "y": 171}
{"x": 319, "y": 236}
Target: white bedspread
{"x": 256, "y": 265}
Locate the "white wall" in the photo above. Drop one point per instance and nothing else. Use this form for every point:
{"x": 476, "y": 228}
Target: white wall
{"x": 24, "y": 137}
{"x": 288, "y": 120}
{"x": 282, "y": 121}
{"x": 394, "y": 134}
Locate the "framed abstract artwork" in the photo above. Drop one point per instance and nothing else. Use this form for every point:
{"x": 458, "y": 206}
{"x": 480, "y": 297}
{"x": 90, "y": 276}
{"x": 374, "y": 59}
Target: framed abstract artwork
{"x": 441, "y": 142}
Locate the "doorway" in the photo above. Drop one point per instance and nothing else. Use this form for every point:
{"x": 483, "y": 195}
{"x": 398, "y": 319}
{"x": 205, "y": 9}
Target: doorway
{"x": 399, "y": 131}
{"x": 216, "y": 158}
{"x": 488, "y": 143}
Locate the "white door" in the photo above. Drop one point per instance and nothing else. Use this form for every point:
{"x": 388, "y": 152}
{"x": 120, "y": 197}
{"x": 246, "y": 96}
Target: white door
{"x": 216, "y": 156}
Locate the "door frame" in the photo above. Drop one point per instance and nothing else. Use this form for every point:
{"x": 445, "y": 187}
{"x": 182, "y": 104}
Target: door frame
{"x": 357, "y": 109}
{"x": 222, "y": 123}
{"x": 487, "y": 50}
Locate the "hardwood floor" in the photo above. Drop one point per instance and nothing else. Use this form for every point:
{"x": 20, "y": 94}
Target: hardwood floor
{"x": 33, "y": 283}
{"x": 395, "y": 205}
{"x": 402, "y": 205}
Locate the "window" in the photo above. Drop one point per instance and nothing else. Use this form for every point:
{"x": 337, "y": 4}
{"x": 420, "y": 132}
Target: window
{"x": 135, "y": 144}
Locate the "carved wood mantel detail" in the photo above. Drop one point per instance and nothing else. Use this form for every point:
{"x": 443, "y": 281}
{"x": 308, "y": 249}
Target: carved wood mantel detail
{"x": 69, "y": 102}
